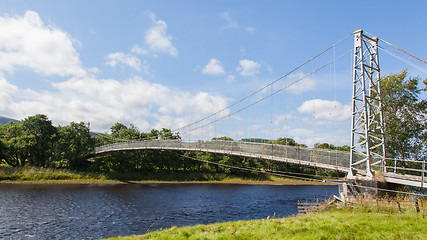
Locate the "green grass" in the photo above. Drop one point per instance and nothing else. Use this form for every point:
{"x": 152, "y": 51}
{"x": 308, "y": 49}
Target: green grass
{"x": 335, "y": 224}
{"x": 17, "y": 174}
{"x": 8, "y": 173}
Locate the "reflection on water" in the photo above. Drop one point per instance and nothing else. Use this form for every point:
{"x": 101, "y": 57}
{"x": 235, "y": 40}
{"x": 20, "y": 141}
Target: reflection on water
{"x": 94, "y": 211}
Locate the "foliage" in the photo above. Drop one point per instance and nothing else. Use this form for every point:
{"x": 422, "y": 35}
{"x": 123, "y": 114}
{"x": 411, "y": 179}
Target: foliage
{"x": 120, "y": 131}
{"x": 324, "y": 146}
{"x": 40, "y": 128}
{"x": 74, "y": 143}
{"x": 36, "y": 142}
{"x": 345, "y": 148}
{"x": 405, "y": 116}
{"x": 284, "y": 141}
{"x": 16, "y": 144}
{"x": 224, "y": 138}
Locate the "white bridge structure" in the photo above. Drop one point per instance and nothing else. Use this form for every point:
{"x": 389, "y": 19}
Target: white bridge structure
{"x": 311, "y": 157}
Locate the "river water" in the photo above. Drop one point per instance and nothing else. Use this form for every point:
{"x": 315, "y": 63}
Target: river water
{"x": 100, "y": 211}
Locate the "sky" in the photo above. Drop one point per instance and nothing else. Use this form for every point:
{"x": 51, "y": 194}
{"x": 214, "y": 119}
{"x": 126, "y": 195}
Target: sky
{"x": 165, "y": 64}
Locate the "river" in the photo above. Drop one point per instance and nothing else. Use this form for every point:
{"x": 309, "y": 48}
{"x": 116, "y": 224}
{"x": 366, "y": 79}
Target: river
{"x": 86, "y": 211}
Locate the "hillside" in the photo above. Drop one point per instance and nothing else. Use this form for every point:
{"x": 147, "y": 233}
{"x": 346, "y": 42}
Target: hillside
{"x": 4, "y": 120}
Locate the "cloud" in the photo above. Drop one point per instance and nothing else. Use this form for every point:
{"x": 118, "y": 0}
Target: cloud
{"x": 214, "y": 67}
{"x": 78, "y": 94}
{"x": 326, "y": 110}
{"x": 6, "y": 89}
{"x": 106, "y": 101}
{"x": 138, "y": 50}
{"x": 116, "y": 58}
{"x": 303, "y": 83}
{"x": 157, "y": 39}
{"x": 231, "y": 78}
{"x": 248, "y": 67}
{"x": 250, "y": 29}
{"x": 282, "y": 118}
{"x": 231, "y": 23}
{"x": 25, "y": 41}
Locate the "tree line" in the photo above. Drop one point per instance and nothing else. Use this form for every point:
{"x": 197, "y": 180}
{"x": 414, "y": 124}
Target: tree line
{"x": 34, "y": 141}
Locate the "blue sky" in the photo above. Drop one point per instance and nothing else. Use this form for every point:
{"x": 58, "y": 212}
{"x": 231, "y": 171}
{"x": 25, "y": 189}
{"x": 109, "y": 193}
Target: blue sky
{"x": 168, "y": 63}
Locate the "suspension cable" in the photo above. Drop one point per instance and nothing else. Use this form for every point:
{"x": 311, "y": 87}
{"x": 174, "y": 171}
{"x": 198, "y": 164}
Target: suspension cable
{"x": 404, "y": 60}
{"x": 250, "y": 169}
{"x": 266, "y": 86}
{"x": 275, "y": 92}
{"x": 397, "y": 48}
{"x": 302, "y": 178}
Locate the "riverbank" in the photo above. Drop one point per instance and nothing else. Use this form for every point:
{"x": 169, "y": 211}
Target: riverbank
{"x": 345, "y": 223}
{"x": 36, "y": 175}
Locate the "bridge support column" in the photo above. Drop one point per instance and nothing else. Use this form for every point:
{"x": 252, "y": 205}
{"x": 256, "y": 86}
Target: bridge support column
{"x": 367, "y": 125}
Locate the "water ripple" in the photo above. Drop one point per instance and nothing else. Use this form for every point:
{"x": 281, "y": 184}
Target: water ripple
{"x": 92, "y": 211}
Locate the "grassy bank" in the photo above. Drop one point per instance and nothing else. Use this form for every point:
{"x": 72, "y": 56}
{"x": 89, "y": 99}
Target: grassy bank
{"x": 8, "y": 173}
{"x": 36, "y": 174}
{"x": 337, "y": 224}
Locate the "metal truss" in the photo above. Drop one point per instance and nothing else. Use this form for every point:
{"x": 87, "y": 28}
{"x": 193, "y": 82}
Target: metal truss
{"x": 367, "y": 131}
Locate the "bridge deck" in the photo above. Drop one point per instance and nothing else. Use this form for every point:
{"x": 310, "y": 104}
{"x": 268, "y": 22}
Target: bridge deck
{"x": 331, "y": 160}
{"x": 312, "y": 157}
{"x": 409, "y": 180}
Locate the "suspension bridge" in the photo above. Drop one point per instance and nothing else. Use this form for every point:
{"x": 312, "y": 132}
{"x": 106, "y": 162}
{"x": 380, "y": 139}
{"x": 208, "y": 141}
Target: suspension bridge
{"x": 367, "y": 155}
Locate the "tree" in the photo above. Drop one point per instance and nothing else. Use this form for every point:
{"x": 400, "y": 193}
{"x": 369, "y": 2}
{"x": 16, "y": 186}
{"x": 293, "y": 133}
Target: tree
{"x": 74, "y": 143}
{"x": 344, "y": 148}
{"x": 284, "y": 141}
{"x": 16, "y": 144}
{"x": 404, "y": 115}
{"x": 120, "y": 131}
{"x": 41, "y": 129}
{"x": 224, "y": 138}
{"x": 117, "y": 128}
{"x": 324, "y": 146}
{"x": 167, "y": 134}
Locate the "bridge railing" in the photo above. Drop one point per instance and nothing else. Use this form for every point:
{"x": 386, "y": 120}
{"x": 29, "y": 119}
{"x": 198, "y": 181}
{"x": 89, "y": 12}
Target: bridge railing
{"x": 406, "y": 167}
{"x": 249, "y": 149}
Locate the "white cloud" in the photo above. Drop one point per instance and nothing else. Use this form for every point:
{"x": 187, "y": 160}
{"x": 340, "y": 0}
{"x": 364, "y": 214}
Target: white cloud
{"x": 106, "y": 101}
{"x": 248, "y": 67}
{"x": 138, "y": 50}
{"x": 214, "y": 67}
{"x": 282, "y": 118}
{"x": 230, "y": 23}
{"x": 25, "y": 41}
{"x": 302, "y": 83}
{"x": 231, "y": 78}
{"x": 250, "y": 29}
{"x": 121, "y": 58}
{"x": 6, "y": 89}
{"x": 157, "y": 39}
{"x": 326, "y": 110}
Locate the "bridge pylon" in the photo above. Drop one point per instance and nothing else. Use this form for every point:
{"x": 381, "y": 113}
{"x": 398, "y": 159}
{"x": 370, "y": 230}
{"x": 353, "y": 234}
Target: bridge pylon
{"x": 367, "y": 125}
